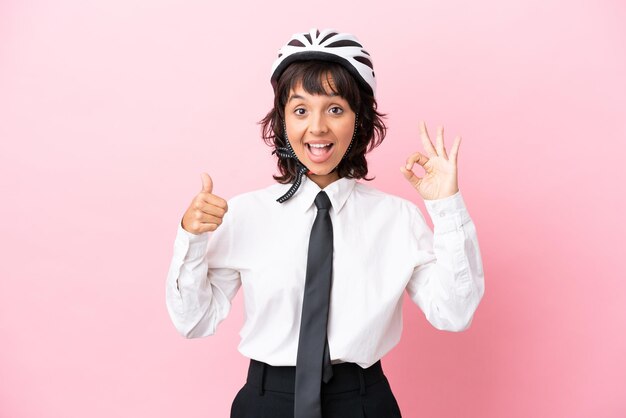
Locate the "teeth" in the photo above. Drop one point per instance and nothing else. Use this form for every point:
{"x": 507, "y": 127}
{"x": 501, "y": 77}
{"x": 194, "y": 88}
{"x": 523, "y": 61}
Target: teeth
{"x": 319, "y": 145}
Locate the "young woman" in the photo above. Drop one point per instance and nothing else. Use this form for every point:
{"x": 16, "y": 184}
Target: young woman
{"x": 324, "y": 260}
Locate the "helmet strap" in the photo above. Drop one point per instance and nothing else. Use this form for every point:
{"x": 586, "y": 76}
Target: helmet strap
{"x": 345, "y": 154}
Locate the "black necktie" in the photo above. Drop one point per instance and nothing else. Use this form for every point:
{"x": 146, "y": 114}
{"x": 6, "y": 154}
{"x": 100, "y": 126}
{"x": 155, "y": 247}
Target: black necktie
{"x": 313, "y": 361}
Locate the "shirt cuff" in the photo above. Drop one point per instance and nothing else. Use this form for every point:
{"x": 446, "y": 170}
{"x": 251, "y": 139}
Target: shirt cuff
{"x": 448, "y": 214}
{"x": 193, "y": 246}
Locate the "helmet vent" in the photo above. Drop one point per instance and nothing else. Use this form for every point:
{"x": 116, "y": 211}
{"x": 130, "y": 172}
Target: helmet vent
{"x": 330, "y": 35}
{"x": 295, "y": 42}
{"x": 365, "y": 61}
{"x": 344, "y": 43}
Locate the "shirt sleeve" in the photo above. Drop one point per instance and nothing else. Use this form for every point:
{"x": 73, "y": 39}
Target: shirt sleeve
{"x": 202, "y": 280}
{"x": 448, "y": 280}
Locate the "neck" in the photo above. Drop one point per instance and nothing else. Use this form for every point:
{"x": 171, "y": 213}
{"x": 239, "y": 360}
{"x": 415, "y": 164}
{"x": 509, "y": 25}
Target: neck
{"x": 323, "y": 180}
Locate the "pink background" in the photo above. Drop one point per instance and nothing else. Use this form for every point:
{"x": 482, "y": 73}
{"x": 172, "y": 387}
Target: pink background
{"x": 110, "y": 110}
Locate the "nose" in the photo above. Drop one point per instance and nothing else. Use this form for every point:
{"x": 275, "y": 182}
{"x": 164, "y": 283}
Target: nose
{"x": 318, "y": 124}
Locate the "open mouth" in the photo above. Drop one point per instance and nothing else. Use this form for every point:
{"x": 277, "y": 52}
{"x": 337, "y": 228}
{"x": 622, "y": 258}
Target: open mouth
{"x": 319, "y": 153}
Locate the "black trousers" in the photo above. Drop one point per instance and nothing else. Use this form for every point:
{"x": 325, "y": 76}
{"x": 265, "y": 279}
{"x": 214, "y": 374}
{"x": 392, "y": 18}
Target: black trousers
{"x": 353, "y": 392}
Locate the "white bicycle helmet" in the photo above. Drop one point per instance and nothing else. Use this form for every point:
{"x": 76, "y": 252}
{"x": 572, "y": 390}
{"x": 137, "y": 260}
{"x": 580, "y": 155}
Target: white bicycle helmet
{"x": 327, "y": 45}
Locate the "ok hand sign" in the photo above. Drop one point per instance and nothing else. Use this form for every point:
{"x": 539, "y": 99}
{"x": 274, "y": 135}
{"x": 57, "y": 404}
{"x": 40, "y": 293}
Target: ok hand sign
{"x": 440, "y": 179}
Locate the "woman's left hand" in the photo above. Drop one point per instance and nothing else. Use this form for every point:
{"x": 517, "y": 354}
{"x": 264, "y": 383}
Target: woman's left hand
{"x": 440, "y": 179}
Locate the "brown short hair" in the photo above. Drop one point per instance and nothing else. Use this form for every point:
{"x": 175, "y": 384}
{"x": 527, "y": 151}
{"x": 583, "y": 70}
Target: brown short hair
{"x": 371, "y": 129}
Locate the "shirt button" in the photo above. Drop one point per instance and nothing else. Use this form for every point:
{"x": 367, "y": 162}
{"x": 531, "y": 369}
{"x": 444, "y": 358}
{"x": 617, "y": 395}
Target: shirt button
{"x": 442, "y": 214}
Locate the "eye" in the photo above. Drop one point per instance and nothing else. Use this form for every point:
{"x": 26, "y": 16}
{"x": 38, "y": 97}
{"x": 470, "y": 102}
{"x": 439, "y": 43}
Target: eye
{"x": 299, "y": 111}
{"x": 336, "y": 110}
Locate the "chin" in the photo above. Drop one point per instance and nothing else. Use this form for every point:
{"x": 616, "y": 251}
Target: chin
{"x": 321, "y": 171}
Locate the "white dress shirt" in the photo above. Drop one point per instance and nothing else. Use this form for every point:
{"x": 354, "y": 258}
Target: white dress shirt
{"x": 382, "y": 247}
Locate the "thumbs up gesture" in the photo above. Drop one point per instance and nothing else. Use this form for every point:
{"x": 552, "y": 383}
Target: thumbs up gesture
{"x": 206, "y": 211}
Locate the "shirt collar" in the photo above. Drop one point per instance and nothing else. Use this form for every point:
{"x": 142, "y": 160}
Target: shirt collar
{"x": 338, "y": 192}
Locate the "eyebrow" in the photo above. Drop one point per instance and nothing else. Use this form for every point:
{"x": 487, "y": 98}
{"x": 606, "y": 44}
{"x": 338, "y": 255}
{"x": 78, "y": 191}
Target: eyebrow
{"x": 297, "y": 96}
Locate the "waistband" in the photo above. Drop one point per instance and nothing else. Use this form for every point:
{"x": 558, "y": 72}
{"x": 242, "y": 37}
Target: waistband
{"x": 346, "y": 377}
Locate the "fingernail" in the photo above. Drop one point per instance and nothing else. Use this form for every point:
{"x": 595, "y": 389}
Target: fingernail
{"x": 408, "y": 166}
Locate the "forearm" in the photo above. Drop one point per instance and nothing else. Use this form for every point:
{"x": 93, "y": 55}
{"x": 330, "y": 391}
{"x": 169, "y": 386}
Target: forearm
{"x": 190, "y": 298}
{"x": 450, "y": 286}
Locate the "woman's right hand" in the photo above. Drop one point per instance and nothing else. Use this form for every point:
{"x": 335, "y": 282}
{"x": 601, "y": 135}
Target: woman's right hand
{"x": 206, "y": 210}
